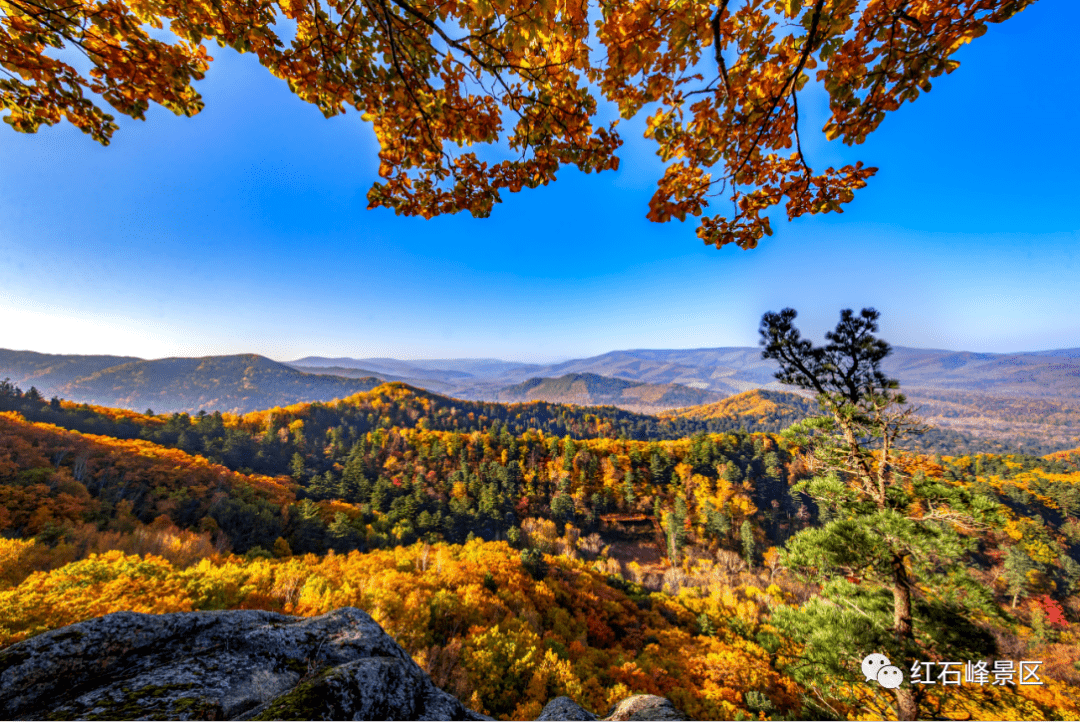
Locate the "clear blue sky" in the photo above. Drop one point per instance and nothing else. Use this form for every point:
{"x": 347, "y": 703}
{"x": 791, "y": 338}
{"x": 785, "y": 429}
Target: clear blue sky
{"x": 244, "y": 229}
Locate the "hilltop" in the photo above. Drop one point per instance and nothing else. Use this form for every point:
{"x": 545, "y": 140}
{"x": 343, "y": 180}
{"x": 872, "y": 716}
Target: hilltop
{"x": 236, "y": 384}
{"x": 48, "y": 371}
{"x": 590, "y": 389}
{"x": 977, "y": 401}
{"x": 761, "y": 406}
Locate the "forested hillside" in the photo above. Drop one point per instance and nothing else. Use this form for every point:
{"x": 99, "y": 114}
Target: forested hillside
{"x": 998, "y": 403}
{"x": 596, "y": 390}
{"x": 594, "y": 563}
{"x": 48, "y": 371}
{"x": 224, "y": 383}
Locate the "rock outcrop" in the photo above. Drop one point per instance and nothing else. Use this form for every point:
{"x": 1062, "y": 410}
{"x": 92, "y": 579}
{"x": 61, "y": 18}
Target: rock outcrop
{"x": 644, "y": 707}
{"x": 564, "y": 708}
{"x": 245, "y": 665}
{"x": 636, "y": 707}
{"x": 220, "y": 665}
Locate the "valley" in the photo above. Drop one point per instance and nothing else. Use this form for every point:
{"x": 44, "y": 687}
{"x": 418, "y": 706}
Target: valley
{"x": 1024, "y": 402}
{"x": 593, "y": 550}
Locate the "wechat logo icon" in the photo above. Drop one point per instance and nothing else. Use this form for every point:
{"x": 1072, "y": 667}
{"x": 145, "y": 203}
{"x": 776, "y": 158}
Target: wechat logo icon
{"x": 877, "y": 668}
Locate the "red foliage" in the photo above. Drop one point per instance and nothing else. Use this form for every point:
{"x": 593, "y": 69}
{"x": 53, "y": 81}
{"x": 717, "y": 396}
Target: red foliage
{"x": 1055, "y": 615}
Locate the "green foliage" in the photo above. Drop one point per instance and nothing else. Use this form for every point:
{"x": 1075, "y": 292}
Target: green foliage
{"x": 746, "y": 534}
{"x": 1017, "y": 567}
{"x": 705, "y": 626}
{"x": 757, "y": 702}
{"x": 533, "y": 561}
{"x": 890, "y": 553}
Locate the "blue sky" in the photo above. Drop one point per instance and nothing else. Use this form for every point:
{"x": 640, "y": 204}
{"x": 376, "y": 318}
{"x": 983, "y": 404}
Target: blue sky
{"x": 244, "y": 229}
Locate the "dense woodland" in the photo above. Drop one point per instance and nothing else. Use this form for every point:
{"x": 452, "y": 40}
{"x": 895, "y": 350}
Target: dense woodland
{"x": 579, "y": 551}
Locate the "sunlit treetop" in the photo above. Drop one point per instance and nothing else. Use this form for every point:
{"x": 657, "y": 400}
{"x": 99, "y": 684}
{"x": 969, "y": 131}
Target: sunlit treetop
{"x": 721, "y": 81}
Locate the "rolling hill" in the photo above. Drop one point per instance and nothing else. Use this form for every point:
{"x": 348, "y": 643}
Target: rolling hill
{"x": 49, "y": 371}
{"x": 432, "y": 503}
{"x": 758, "y": 407}
{"x": 594, "y": 390}
{"x": 1026, "y": 399}
{"x": 235, "y": 384}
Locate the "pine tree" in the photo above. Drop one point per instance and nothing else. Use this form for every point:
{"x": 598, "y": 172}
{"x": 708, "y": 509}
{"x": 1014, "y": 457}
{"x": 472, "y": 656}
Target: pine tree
{"x": 746, "y": 535}
{"x": 562, "y": 508}
{"x": 342, "y": 536}
{"x": 352, "y": 478}
{"x": 309, "y": 531}
{"x": 717, "y": 522}
{"x": 323, "y": 486}
{"x": 891, "y": 558}
{"x": 660, "y": 467}
{"x": 297, "y": 467}
{"x": 1017, "y": 566}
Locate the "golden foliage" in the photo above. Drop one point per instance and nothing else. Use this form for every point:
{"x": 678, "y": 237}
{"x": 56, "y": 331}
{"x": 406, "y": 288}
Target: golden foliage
{"x": 435, "y": 78}
{"x": 48, "y": 491}
{"x": 471, "y": 615}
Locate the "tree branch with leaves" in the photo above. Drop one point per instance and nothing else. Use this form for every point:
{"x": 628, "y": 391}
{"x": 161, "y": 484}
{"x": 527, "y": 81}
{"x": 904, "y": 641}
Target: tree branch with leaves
{"x": 437, "y": 77}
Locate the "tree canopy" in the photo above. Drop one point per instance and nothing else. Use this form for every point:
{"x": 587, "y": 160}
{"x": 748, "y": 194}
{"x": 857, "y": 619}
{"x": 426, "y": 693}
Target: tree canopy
{"x": 721, "y": 81}
{"x": 892, "y": 556}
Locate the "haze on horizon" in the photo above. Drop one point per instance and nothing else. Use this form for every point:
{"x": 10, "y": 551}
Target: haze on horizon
{"x": 244, "y": 230}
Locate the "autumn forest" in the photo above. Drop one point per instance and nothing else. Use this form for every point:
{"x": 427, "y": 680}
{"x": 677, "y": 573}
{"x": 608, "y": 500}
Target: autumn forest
{"x": 763, "y": 530}
{"x": 524, "y": 551}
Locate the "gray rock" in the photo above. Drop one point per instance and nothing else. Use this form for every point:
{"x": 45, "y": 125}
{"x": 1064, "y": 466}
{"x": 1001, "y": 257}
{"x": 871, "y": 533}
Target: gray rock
{"x": 220, "y": 665}
{"x": 644, "y": 707}
{"x": 564, "y": 708}
{"x": 244, "y": 665}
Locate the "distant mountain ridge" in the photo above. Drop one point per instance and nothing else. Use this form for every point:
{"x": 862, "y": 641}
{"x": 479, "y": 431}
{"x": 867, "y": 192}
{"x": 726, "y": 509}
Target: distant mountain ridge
{"x": 46, "y": 370}
{"x": 588, "y": 389}
{"x": 729, "y": 370}
{"x": 1030, "y": 396}
{"x": 237, "y": 384}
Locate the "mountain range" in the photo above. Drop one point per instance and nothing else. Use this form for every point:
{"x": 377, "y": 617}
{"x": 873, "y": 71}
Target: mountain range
{"x": 1019, "y": 396}
{"x": 1044, "y": 374}
{"x": 236, "y": 384}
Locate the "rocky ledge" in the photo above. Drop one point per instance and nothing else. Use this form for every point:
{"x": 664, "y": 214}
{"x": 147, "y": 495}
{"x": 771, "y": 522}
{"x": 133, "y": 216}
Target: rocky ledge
{"x": 240, "y": 665}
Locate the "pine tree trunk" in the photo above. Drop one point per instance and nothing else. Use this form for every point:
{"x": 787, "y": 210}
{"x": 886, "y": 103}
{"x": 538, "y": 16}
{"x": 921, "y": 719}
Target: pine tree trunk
{"x": 901, "y": 601}
{"x": 907, "y": 709}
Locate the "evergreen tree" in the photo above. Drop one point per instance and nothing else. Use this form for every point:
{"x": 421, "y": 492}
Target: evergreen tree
{"x": 891, "y": 559}
{"x": 309, "y": 531}
{"x": 323, "y": 486}
{"x": 569, "y": 450}
{"x": 659, "y": 467}
{"x": 676, "y": 529}
{"x": 297, "y": 467}
{"x": 1017, "y": 566}
{"x": 342, "y": 536}
{"x": 717, "y": 524}
{"x": 562, "y": 508}
{"x": 746, "y": 535}
{"x": 353, "y": 480}
{"x": 628, "y": 488}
